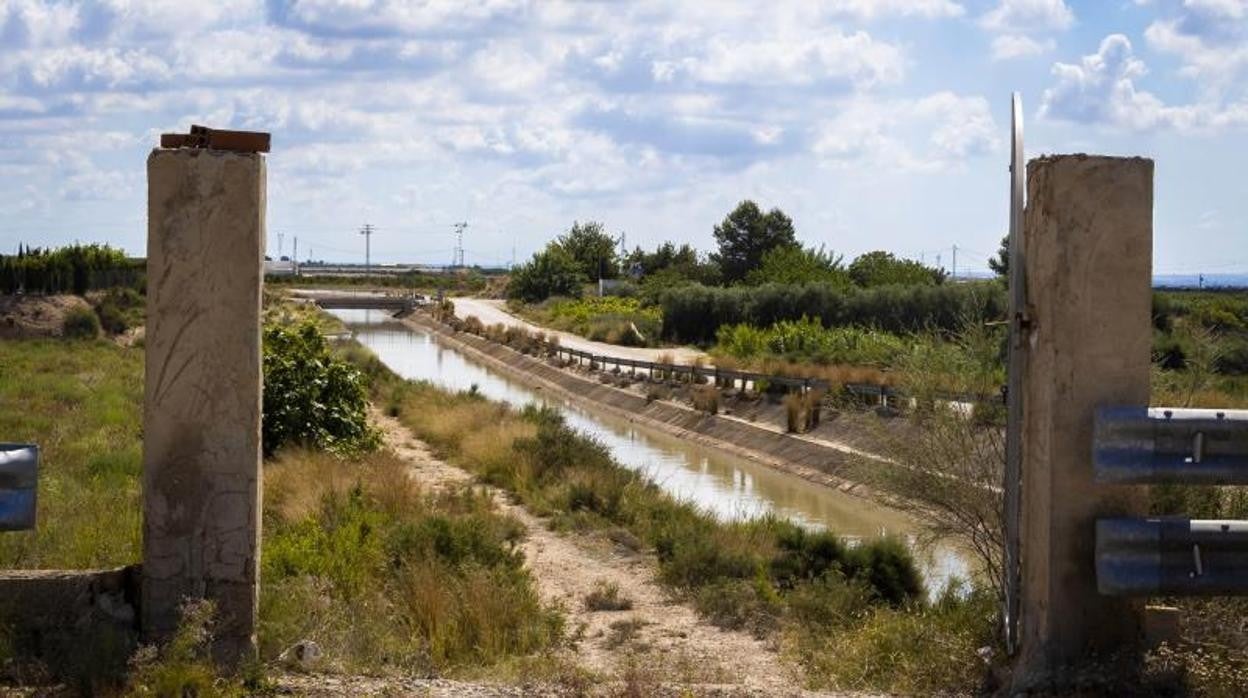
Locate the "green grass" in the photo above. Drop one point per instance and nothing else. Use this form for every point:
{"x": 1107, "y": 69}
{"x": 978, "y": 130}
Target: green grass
{"x": 355, "y": 557}
{"x": 384, "y": 576}
{"x": 81, "y": 402}
{"x": 608, "y": 319}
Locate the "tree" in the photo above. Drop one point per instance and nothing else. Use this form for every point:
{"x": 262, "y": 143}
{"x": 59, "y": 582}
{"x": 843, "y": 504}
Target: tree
{"x": 673, "y": 264}
{"x": 551, "y": 272}
{"x": 746, "y": 235}
{"x": 1001, "y": 263}
{"x": 794, "y": 264}
{"x": 881, "y": 268}
{"x": 593, "y": 249}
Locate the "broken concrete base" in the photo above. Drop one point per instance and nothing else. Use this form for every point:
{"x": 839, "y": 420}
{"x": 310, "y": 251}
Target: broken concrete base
{"x": 70, "y": 623}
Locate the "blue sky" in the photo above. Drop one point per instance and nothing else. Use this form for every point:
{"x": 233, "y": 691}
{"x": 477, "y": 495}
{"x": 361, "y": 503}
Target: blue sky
{"x": 873, "y": 123}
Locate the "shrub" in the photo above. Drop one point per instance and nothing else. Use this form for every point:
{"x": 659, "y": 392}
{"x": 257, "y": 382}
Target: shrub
{"x": 806, "y": 339}
{"x": 311, "y": 397}
{"x": 182, "y": 667}
{"x": 606, "y": 596}
{"x": 706, "y": 399}
{"x": 551, "y": 272}
{"x": 80, "y": 323}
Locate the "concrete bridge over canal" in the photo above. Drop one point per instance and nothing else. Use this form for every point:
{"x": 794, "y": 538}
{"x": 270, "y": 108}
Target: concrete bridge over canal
{"x": 362, "y": 300}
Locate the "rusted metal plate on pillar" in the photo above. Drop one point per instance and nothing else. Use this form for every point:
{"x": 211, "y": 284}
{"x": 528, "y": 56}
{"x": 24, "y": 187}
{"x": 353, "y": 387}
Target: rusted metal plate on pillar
{"x": 218, "y": 139}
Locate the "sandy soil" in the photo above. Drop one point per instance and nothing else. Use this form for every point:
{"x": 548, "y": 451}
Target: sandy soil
{"x": 660, "y": 637}
{"x": 492, "y": 312}
{"x": 35, "y": 316}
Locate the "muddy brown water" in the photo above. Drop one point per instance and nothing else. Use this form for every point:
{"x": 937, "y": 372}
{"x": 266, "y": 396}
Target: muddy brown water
{"x": 729, "y": 486}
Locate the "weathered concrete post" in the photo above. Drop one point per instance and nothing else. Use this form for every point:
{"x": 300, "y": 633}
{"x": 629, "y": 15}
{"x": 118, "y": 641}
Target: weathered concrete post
{"x": 201, "y": 421}
{"x": 1088, "y": 256}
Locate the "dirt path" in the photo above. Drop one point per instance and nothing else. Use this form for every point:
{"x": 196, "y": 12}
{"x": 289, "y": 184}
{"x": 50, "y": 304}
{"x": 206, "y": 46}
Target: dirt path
{"x": 492, "y": 312}
{"x": 659, "y": 640}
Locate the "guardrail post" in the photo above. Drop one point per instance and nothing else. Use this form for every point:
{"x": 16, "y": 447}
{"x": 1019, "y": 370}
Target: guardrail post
{"x": 1088, "y": 259}
{"x": 201, "y": 418}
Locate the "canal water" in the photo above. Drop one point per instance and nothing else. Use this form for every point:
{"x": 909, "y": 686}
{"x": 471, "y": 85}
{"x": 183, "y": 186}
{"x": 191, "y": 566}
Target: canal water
{"x": 731, "y": 487}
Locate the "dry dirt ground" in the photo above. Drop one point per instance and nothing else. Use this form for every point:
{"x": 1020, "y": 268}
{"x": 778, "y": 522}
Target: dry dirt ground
{"x": 35, "y": 316}
{"x": 660, "y": 645}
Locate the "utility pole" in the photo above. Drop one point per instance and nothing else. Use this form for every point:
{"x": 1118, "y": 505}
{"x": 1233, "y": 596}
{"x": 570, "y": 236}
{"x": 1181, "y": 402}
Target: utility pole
{"x": 458, "y": 255}
{"x": 955, "y": 262}
{"x": 367, "y": 232}
{"x": 294, "y": 258}
{"x": 280, "y": 237}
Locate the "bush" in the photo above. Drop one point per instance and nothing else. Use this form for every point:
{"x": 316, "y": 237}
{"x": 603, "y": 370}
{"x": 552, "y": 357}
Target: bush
{"x": 119, "y": 309}
{"x": 706, "y": 399}
{"x": 80, "y": 323}
{"x": 694, "y": 313}
{"x": 551, "y": 272}
{"x": 311, "y": 397}
{"x": 808, "y": 340}
{"x": 606, "y": 596}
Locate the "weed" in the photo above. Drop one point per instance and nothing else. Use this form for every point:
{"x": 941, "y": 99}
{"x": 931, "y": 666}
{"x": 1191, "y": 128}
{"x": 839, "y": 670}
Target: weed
{"x": 706, "y": 399}
{"x": 606, "y": 597}
{"x": 623, "y": 632}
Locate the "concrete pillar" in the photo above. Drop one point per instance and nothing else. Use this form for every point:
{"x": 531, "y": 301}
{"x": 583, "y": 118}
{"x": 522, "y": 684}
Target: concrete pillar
{"x": 201, "y": 420}
{"x": 1088, "y": 249}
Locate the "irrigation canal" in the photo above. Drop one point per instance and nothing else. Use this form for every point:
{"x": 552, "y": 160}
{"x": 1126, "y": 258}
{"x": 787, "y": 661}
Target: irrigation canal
{"x": 730, "y": 486}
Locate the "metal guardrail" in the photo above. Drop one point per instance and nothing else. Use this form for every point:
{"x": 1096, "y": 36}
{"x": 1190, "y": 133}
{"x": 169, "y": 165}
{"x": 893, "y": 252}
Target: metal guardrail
{"x": 19, "y": 479}
{"x": 1171, "y": 556}
{"x": 1174, "y": 556}
{"x": 716, "y": 374}
{"x": 1135, "y": 445}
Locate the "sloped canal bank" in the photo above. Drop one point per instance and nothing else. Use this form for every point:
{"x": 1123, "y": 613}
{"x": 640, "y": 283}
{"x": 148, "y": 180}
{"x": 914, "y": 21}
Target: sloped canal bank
{"x": 729, "y": 485}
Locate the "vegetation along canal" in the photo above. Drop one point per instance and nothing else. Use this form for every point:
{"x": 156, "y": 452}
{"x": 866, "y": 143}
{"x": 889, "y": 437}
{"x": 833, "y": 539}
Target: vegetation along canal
{"x": 730, "y": 486}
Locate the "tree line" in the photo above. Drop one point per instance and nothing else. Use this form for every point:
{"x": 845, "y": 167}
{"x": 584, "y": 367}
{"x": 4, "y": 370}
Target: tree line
{"x": 753, "y": 248}
{"x": 694, "y": 313}
{"x": 71, "y": 269}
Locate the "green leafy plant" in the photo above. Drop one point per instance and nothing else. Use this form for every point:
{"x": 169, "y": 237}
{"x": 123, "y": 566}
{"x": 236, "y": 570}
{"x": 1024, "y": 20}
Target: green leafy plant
{"x": 80, "y": 323}
{"x": 312, "y": 398}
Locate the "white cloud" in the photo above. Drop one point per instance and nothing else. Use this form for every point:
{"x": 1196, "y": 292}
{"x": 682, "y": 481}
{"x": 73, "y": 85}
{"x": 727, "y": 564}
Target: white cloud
{"x": 384, "y": 17}
{"x": 1028, "y": 16}
{"x": 830, "y": 56}
{"x": 1210, "y": 37}
{"x": 875, "y": 133}
{"x": 33, "y": 23}
{"x": 1100, "y": 89}
{"x": 1009, "y": 46}
{"x": 961, "y": 126}
{"x": 88, "y": 68}
{"x": 868, "y": 10}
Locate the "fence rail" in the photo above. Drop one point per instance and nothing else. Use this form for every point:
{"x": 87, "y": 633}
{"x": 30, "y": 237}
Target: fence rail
{"x": 885, "y": 394}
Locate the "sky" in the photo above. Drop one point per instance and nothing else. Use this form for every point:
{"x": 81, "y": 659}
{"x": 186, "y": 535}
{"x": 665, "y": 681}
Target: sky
{"x": 874, "y": 124}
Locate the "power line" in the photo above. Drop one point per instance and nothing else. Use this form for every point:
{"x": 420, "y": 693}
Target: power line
{"x": 458, "y": 258}
{"x": 367, "y": 232}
